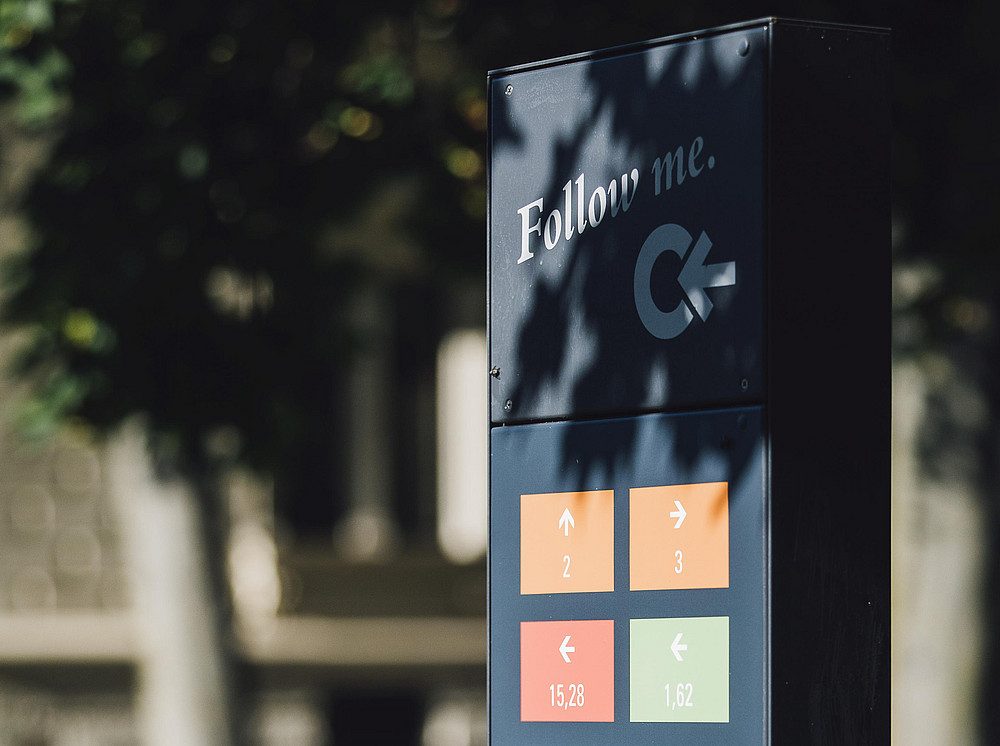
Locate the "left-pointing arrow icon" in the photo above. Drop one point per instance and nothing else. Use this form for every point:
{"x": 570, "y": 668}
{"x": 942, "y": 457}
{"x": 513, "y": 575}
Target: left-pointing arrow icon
{"x": 565, "y": 649}
{"x": 695, "y": 276}
{"x": 677, "y": 647}
{"x": 566, "y": 521}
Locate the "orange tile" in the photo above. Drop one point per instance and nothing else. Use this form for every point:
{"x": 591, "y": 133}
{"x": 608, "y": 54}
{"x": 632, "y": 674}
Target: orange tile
{"x": 568, "y": 542}
{"x": 679, "y": 537}
{"x": 568, "y": 671}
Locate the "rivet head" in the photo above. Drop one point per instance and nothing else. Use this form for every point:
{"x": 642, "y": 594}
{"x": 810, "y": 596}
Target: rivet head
{"x": 508, "y": 405}
{"x": 744, "y": 49}
{"x": 744, "y": 384}
{"x": 495, "y": 372}
{"x": 509, "y": 90}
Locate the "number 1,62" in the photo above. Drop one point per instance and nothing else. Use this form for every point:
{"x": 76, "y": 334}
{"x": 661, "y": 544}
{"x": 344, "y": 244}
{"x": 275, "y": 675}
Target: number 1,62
{"x": 681, "y": 697}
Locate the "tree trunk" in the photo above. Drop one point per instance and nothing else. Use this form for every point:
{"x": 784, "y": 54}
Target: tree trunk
{"x": 173, "y": 547}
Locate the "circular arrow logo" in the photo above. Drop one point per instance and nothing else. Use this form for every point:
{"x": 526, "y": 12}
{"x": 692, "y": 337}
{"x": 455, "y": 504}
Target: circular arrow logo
{"x": 695, "y": 276}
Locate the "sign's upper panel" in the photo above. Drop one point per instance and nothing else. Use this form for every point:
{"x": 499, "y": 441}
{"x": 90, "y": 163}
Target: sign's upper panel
{"x": 627, "y": 230}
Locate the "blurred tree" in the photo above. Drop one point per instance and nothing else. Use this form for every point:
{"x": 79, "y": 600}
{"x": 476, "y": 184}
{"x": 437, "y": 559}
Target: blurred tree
{"x": 209, "y": 205}
{"x": 228, "y": 174}
{"x": 32, "y": 67}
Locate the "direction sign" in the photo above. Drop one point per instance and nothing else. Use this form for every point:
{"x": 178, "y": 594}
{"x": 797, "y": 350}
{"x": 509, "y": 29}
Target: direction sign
{"x": 679, "y": 670}
{"x": 679, "y": 536}
{"x": 622, "y": 545}
{"x": 613, "y": 233}
{"x": 694, "y": 278}
{"x": 565, "y": 649}
{"x": 561, "y": 553}
{"x": 568, "y": 671}
{"x": 683, "y": 399}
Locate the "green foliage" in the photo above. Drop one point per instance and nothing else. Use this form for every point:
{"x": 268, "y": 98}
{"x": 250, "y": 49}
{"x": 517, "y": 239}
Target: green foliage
{"x": 35, "y": 70}
{"x": 207, "y": 213}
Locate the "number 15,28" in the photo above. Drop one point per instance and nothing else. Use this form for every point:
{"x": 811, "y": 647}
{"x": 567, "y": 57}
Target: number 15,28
{"x": 565, "y": 696}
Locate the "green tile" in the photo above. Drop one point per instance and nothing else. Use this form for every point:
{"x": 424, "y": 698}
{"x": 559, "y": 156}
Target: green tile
{"x": 679, "y": 670}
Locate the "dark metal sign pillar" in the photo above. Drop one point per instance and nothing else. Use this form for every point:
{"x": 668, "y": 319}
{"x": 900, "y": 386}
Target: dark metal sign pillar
{"x": 689, "y": 430}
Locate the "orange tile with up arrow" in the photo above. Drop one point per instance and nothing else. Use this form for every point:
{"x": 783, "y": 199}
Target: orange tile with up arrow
{"x": 568, "y": 542}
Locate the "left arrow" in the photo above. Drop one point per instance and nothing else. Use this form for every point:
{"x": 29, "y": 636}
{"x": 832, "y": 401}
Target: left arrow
{"x": 677, "y": 647}
{"x": 565, "y": 649}
{"x": 695, "y": 276}
{"x": 566, "y": 521}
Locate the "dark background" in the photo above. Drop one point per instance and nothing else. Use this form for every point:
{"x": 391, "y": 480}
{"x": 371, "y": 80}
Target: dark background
{"x": 294, "y": 153}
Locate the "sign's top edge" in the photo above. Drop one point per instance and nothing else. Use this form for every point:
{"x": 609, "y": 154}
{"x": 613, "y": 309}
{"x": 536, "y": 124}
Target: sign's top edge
{"x": 674, "y": 38}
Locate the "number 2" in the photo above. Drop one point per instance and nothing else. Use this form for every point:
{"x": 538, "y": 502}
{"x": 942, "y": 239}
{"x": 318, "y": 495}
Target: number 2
{"x": 566, "y": 569}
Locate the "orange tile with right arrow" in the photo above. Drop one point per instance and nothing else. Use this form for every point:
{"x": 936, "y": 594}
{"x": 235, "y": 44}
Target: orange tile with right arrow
{"x": 679, "y": 537}
{"x": 568, "y": 542}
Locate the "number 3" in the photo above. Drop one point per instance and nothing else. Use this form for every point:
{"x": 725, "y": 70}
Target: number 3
{"x": 679, "y": 555}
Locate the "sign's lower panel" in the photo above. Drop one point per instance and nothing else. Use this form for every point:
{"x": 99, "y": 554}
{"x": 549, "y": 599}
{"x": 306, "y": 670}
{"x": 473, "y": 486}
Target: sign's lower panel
{"x": 628, "y": 581}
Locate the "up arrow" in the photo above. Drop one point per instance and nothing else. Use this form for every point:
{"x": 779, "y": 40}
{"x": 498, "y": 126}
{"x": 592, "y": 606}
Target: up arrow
{"x": 565, "y": 649}
{"x": 695, "y": 276}
{"x": 676, "y": 647}
{"x": 680, "y": 514}
{"x": 566, "y": 521}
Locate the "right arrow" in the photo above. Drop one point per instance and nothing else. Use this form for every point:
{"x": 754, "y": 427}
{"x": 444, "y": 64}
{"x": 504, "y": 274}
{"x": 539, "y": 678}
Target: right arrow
{"x": 680, "y": 514}
{"x": 566, "y": 521}
{"x": 677, "y": 647}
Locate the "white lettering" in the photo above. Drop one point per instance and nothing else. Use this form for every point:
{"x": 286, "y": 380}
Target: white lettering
{"x": 626, "y": 200}
{"x": 553, "y": 229}
{"x": 578, "y": 213}
{"x": 568, "y": 191}
{"x": 525, "y": 213}
{"x": 595, "y": 212}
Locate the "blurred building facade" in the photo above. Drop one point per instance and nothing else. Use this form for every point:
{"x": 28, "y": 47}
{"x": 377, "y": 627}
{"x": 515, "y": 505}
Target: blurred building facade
{"x": 356, "y": 629}
{"x": 358, "y": 583}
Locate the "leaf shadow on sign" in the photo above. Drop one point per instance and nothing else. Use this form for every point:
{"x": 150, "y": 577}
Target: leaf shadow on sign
{"x": 581, "y": 348}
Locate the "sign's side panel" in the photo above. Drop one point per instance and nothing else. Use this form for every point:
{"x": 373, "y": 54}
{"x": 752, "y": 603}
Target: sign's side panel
{"x": 626, "y": 231}
{"x": 829, "y": 389}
